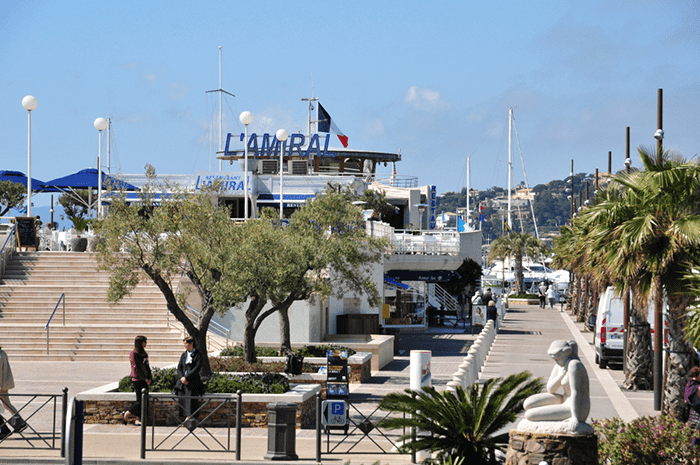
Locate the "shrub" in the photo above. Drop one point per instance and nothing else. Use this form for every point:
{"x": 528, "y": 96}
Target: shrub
{"x": 237, "y": 351}
{"x": 524, "y": 296}
{"x": 306, "y": 351}
{"x": 650, "y": 440}
{"x": 239, "y": 365}
{"x": 320, "y": 351}
{"x": 250, "y": 383}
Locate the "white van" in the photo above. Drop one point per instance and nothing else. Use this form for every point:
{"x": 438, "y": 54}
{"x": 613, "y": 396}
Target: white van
{"x": 609, "y": 325}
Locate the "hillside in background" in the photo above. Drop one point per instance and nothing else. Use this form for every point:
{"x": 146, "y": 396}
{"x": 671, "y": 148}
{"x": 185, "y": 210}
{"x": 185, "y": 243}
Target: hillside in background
{"x": 551, "y": 204}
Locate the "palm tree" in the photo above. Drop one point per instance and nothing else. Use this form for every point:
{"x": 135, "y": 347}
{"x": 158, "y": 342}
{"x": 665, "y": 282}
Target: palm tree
{"x": 665, "y": 231}
{"x": 460, "y": 424}
{"x": 517, "y": 245}
{"x": 601, "y": 223}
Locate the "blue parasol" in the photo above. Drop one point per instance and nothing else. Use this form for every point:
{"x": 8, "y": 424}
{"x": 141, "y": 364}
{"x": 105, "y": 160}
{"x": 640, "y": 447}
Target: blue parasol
{"x": 20, "y": 178}
{"x": 88, "y": 178}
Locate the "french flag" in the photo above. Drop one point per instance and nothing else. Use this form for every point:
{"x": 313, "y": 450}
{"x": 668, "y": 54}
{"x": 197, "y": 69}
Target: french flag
{"x": 326, "y": 124}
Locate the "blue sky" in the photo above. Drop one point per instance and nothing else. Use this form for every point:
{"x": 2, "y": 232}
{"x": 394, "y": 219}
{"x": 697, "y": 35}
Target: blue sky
{"x": 433, "y": 79}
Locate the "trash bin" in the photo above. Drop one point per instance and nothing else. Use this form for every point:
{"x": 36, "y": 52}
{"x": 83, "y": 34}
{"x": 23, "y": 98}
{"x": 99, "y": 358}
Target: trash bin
{"x": 281, "y": 431}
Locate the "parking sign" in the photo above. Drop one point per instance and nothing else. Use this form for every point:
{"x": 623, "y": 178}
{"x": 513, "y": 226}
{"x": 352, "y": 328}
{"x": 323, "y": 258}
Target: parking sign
{"x": 334, "y": 413}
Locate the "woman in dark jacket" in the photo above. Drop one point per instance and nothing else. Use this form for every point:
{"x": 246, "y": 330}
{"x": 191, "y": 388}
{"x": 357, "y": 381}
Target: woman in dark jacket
{"x": 189, "y": 383}
{"x": 141, "y": 376}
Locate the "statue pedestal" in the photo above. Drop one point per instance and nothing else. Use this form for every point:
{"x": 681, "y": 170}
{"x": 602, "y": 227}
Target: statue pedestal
{"x": 525, "y": 448}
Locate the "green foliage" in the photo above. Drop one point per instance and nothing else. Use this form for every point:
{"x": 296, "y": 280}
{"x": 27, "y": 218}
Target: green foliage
{"x": 80, "y": 224}
{"x": 306, "y": 351}
{"x": 322, "y": 350}
{"x": 12, "y": 195}
{"x": 660, "y": 440}
{"x": 75, "y": 204}
{"x": 250, "y": 383}
{"x": 460, "y": 424}
{"x": 239, "y": 365}
{"x": 237, "y": 351}
{"x": 524, "y": 296}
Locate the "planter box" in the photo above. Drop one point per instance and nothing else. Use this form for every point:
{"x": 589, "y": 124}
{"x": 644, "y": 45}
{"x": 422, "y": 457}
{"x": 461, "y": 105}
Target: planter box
{"x": 359, "y": 366}
{"x": 103, "y": 405}
{"x": 513, "y": 301}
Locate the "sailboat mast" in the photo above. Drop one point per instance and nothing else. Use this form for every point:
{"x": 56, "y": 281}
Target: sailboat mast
{"x": 220, "y": 115}
{"x": 510, "y": 161}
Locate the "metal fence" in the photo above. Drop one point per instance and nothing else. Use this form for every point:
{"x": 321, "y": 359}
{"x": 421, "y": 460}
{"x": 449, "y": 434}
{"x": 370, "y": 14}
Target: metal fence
{"x": 183, "y": 432}
{"x": 44, "y": 416}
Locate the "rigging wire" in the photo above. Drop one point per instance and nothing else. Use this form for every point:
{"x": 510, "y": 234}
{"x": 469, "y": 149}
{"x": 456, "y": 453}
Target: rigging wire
{"x": 527, "y": 185}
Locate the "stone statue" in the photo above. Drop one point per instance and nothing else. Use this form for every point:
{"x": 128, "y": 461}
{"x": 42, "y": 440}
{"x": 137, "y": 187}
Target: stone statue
{"x": 561, "y": 412}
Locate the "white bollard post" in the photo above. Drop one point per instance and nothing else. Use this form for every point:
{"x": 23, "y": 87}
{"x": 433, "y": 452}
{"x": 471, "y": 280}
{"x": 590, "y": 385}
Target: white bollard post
{"x": 420, "y": 376}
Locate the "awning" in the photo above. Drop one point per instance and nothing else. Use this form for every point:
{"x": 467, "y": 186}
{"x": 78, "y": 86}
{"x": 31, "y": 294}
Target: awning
{"x": 435, "y": 276}
{"x": 395, "y": 283}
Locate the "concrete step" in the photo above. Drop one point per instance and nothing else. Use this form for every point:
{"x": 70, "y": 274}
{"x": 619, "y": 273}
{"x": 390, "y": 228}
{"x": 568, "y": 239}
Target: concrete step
{"x": 95, "y": 329}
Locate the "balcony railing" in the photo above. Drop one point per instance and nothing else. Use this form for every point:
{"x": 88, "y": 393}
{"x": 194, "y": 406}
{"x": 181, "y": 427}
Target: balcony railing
{"x": 413, "y": 242}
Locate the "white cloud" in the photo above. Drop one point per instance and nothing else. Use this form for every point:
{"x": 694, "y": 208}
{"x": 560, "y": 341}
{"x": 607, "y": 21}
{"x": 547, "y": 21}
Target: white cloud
{"x": 425, "y": 99}
{"x": 375, "y": 128}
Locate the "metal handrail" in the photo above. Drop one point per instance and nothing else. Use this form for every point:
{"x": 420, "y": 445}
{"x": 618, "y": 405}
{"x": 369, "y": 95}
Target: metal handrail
{"x": 60, "y": 299}
{"x": 6, "y": 252}
{"x": 214, "y": 327}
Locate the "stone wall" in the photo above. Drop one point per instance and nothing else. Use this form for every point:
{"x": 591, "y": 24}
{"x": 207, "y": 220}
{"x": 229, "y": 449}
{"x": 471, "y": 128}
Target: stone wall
{"x": 108, "y": 407}
{"x": 526, "y": 448}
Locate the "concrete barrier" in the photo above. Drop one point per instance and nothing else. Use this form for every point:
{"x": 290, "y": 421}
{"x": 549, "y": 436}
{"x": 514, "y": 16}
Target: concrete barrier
{"x": 468, "y": 371}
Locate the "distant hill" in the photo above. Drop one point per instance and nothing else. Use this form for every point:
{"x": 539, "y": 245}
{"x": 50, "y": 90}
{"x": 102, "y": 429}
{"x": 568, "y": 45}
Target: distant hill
{"x": 551, "y": 204}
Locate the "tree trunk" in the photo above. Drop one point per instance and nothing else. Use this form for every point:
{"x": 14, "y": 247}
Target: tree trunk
{"x": 639, "y": 354}
{"x": 285, "y": 336}
{"x": 680, "y": 357}
{"x": 255, "y": 306}
{"x": 519, "y": 276}
{"x": 200, "y": 342}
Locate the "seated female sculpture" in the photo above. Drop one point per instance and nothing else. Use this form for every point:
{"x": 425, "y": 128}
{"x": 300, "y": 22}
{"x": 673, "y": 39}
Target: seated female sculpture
{"x": 574, "y": 404}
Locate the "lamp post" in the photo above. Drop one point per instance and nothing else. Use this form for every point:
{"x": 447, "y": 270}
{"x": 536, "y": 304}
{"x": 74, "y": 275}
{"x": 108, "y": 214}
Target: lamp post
{"x": 281, "y": 136}
{"x": 100, "y": 125}
{"x": 29, "y": 103}
{"x": 246, "y": 118}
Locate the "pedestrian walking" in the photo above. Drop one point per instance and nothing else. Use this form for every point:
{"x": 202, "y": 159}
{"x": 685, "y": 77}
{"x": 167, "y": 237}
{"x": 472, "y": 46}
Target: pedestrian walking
{"x": 551, "y": 295}
{"x": 7, "y": 382}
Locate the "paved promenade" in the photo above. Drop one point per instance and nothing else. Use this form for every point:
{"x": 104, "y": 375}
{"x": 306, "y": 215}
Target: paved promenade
{"x": 521, "y": 344}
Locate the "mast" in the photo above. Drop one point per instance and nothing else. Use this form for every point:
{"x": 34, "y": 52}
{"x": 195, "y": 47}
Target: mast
{"x": 220, "y": 91}
{"x": 510, "y": 161}
{"x": 311, "y": 109}
{"x": 220, "y": 115}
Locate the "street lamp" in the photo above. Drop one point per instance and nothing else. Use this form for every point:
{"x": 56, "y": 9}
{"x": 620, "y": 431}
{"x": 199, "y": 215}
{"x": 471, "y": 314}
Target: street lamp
{"x": 281, "y": 136}
{"x": 246, "y": 118}
{"x": 29, "y": 103}
{"x": 100, "y": 125}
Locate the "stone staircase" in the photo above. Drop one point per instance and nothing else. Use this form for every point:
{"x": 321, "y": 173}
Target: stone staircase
{"x": 94, "y": 329}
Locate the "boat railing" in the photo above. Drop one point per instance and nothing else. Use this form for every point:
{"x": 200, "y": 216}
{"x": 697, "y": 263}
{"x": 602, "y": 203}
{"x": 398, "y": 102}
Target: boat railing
{"x": 399, "y": 180}
{"x": 406, "y": 241}
{"x": 7, "y": 249}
